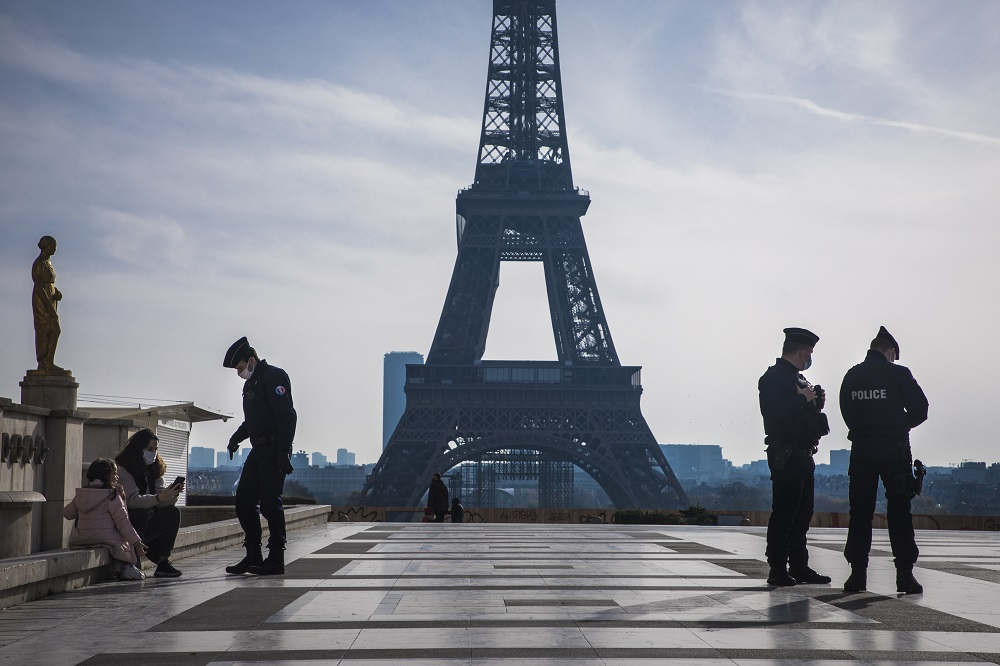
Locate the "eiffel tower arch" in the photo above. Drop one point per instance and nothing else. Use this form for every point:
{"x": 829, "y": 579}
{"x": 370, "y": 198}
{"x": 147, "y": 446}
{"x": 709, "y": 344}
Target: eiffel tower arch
{"x": 523, "y": 206}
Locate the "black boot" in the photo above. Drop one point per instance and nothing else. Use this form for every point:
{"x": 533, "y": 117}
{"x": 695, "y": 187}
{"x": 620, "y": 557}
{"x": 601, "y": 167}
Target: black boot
{"x": 274, "y": 565}
{"x": 253, "y": 558}
{"x": 779, "y": 576}
{"x": 858, "y": 580}
{"x": 803, "y": 574}
{"x": 906, "y": 583}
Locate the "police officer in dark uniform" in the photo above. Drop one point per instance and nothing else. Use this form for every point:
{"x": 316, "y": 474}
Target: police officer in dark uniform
{"x": 880, "y": 403}
{"x": 793, "y": 424}
{"x": 269, "y": 424}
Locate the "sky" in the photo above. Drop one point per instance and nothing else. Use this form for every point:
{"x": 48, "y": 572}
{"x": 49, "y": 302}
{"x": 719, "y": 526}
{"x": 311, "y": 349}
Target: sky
{"x": 288, "y": 172}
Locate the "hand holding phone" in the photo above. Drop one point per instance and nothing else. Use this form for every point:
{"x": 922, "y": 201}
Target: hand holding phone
{"x": 178, "y": 482}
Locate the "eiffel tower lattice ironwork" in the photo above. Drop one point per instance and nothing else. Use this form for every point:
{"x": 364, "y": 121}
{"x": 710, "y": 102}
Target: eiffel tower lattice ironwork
{"x": 523, "y": 206}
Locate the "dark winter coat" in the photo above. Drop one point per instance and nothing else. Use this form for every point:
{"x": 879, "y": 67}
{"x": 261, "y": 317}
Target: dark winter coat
{"x": 437, "y": 496}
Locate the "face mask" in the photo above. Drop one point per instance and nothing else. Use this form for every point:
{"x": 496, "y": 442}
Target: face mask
{"x": 149, "y": 457}
{"x": 247, "y": 371}
{"x": 809, "y": 363}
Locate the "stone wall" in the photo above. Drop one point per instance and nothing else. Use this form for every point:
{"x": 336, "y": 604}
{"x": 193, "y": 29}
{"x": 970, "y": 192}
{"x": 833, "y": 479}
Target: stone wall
{"x": 24, "y": 452}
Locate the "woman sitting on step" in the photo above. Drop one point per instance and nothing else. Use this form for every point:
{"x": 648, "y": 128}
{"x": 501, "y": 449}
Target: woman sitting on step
{"x": 151, "y": 506}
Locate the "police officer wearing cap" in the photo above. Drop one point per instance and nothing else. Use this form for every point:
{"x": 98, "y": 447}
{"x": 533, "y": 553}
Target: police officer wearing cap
{"x": 880, "y": 402}
{"x": 269, "y": 424}
{"x": 793, "y": 424}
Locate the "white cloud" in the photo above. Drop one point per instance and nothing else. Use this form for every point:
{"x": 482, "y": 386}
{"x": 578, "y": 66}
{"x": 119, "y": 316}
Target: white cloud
{"x": 142, "y": 241}
{"x": 826, "y": 112}
{"x": 846, "y": 189}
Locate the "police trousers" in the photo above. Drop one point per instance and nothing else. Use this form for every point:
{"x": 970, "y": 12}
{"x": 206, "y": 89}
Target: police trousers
{"x": 259, "y": 490}
{"x": 871, "y": 461}
{"x": 791, "y": 510}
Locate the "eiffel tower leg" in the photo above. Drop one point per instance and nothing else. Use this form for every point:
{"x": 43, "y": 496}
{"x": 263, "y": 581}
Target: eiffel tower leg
{"x": 465, "y": 320}
{"x": 578, "y": 323}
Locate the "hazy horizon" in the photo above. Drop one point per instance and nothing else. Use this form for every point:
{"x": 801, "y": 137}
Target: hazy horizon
{"x": 289, "y": 172}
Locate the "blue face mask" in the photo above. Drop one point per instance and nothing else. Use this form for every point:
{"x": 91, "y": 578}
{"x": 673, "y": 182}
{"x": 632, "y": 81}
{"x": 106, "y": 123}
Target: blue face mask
{"x": 809, "y": 362}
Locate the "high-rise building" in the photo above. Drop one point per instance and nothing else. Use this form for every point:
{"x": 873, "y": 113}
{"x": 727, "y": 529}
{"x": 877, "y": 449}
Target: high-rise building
{"x": 319, "y": 460}
{"x": 222, "y": 459}
{"x": 300, "y": 460}
{"x": 840, "y": 461}
{"x": 201, "y": 458}
{"x": 345, "y": 457}
{"x": 393, "y": 396}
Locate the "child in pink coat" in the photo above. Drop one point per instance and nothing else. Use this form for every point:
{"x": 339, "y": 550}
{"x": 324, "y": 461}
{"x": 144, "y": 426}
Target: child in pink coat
{"x": 102, "y": 520}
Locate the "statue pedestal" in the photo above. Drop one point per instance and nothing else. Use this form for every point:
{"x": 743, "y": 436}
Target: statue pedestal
{"x": 56, "y": 392}
{"x": 49, "y": 391}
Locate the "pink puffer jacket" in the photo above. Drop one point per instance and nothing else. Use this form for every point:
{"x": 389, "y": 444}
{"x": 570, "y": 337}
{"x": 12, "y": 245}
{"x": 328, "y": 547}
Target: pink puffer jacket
{"x": 102, "y": 520}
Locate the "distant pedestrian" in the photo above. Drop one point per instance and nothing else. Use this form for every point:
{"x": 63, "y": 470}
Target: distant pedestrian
{"x": 880, "y": 402}
{"x": 437, "y": 498}
{"x": 457, "y": 511}
{"x": 102, "y": 520}
{"x": 793, "y": 424}
{"x": 269, "y": 424}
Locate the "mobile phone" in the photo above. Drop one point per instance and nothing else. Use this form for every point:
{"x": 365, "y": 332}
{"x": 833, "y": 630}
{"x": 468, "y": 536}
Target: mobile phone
{"x": 179, "y": 481}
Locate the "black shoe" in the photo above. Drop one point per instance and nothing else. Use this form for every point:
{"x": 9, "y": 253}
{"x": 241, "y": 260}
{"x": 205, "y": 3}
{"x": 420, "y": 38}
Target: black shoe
{"x": 252, "y": 559}
{"x": 804, "y": 574}
{"x": 166, "y": 570}
{"x": 857, "y": 581}
{"x": 273, "y": 565}
{"x": 906, "y": 583}
{"x": 779, "y": 576}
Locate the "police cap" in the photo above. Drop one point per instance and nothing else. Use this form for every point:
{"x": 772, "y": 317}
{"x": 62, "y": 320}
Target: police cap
{"x": 801, "y": 336}
{"x": 885, "y": 336}
{"x": 239, "y": 351}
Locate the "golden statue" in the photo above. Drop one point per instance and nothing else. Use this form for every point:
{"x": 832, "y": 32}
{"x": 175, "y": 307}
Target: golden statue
{"x": 44, "y": 305}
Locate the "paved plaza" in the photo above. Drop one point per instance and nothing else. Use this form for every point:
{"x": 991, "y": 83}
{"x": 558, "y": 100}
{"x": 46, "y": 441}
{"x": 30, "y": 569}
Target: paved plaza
{"x": 485, "y": 594}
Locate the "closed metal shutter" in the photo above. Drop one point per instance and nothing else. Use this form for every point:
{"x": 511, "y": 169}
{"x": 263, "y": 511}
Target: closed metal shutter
{"x": 173, "y": 448}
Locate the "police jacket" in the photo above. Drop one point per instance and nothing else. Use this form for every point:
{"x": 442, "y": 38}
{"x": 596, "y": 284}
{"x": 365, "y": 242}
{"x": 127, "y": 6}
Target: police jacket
{"x": 881, "y": 400}
{"x": 789, "y": 419}
{"x": 268, "y": 413}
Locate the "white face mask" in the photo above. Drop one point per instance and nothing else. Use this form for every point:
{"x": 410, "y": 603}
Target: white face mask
{"x": 149, "y": 456}
{"x": 247, "y": 371}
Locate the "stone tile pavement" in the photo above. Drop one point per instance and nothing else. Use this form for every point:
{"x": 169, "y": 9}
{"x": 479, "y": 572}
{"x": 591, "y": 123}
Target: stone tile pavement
{"x": 486, "y": 594}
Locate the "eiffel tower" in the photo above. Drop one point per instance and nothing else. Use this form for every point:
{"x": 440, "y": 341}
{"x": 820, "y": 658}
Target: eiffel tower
{"x": 582, "y": 409}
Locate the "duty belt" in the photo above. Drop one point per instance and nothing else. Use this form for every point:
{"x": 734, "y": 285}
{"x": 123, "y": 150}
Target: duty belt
{"x": 259, "y": 440}
{"x": 797, "y": 450}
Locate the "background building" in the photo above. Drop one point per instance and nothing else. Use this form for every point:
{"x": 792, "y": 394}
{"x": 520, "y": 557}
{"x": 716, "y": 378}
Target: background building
{"x": 222, "y": 460}
{"x": 300, "y": 460}
{"x": 202, "y": 458}
{"x": 393, "y": 396}
{"x": 840, "y": 461}
{"x": 319, "y": 460}
{"x": 698, "y": 462}
{"x": 331, "y": 485}
{"x": 345, "y": 457}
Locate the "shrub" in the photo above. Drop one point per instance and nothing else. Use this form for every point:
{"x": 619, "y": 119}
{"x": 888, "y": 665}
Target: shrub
{"x": 693, "y": 515}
